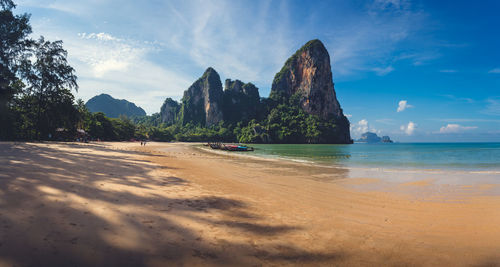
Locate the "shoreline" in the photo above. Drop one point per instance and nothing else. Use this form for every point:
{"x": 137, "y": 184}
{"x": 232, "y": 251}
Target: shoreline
{"x": 361, "y": 155}
{"x": 104, "y": 204}
{"x": 392, "y": 177}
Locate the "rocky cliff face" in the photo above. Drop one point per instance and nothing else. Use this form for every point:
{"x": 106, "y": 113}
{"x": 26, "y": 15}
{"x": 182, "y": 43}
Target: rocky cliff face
{"x": 169, "y": 110}
{"x": 237, "y": 86}
{"x": 202, "y": 101}
{"x": 241, "y": 101}
{"x": 307, "y": 74}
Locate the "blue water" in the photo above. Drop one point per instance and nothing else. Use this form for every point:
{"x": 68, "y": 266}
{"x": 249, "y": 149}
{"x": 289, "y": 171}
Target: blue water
{"x": 439, "y": 156}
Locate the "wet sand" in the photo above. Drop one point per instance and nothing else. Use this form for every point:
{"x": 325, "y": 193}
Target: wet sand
{"x": 120, "y": 204}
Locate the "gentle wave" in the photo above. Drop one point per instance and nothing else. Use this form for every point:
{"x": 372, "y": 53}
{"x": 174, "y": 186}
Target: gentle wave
{"x": 441, "y": 174}
{"x": 435, "y": 156}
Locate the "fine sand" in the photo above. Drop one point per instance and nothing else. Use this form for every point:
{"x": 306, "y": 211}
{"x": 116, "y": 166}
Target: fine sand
{"x": 121, "y": 204}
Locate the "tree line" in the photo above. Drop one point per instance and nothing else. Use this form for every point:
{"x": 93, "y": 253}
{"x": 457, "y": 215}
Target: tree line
{"x": 279, "y": 120}
{"x": 35, "y": 81}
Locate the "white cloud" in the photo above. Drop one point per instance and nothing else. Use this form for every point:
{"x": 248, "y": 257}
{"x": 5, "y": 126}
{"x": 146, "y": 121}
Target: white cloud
{"x": 409, "y": 129}
{"x": 348, "y": 116}
{"x": 459, "y": 99}
{"x": 73, "y": 7}
{"x": 495, "y": 70}
{"x": 402, "y": 105}
{"x": 383, "y": 71}
{"x": 492, "y": 106}
{"x": 99, "y": 36}
{"x": 362, "y": 127}
{"x": 250, "y": 46}
{"x": 466, "y": 120}
{"x": 448, "y": 71}
{"x": 386, "y": 121}
{"x": 236, "y": 36}
{"x": 369, "y": 36}
{"x": 234, "y": 43}
{"x": 455, "y": 128}
{"x": 105, "y": 53}
{"x": 418, "y": 58}
{"x": 240, "y": 40}
{"x": 385, "y": 4}
{"x": 122, "y": 68}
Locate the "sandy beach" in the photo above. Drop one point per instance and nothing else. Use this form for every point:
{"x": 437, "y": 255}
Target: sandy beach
{"x": 171, "y": 204}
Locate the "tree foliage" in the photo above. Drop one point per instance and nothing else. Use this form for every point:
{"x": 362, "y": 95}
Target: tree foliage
{"x": 14, "y": 30}
{"x": 7, "y": 4}
{"x": 49, "y": 78}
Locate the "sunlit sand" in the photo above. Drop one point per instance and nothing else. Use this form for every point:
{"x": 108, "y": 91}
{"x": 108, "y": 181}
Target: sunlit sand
{"x": 171, "y": 204}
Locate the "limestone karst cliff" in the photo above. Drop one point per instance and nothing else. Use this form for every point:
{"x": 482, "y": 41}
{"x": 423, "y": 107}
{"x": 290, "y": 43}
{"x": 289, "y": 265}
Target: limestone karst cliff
{"x": 169, "y": 110}
{"x": 202, "y": 101}
{"x": 241, "y": 101}
{"x": 308, "y": 74}
{"x": 302, "y": 106}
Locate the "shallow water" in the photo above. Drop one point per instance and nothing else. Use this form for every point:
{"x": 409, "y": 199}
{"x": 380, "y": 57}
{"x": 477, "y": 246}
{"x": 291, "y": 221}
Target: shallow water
{"x": 441, "y": 163}
{"x": 437, "y": 163}
{"x": 479, "y": 157}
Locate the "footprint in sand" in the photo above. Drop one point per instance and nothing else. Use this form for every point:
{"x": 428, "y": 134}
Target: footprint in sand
{"x": 74, "y": 240}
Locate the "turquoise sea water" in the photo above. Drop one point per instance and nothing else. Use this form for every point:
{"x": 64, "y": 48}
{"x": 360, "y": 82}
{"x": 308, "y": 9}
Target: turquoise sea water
{"x": 432, "y": 156}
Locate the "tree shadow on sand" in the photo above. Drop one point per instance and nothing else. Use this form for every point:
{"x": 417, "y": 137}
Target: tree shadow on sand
{"x": 72, "y": 208}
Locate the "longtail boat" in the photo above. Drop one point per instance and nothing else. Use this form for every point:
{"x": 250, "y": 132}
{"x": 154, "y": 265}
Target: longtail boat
{"x": 215, "y": 145}
{"x": 237, "y": 148}
{"x": 222, "y": 146}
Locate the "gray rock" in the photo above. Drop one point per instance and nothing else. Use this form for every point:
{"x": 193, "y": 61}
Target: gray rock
{"x": 241, "y": 101}
{"x": 169, "y": 110}
{"x": 202, "y": 101}
{"x": 308, "y": 73}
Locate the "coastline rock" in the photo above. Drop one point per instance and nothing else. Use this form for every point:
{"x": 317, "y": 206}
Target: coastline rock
{"x": 168, "y": 111}
{"x": 308, "y": 74}
{"x": 241, "y": 101}
{"x": 202, "y": 101}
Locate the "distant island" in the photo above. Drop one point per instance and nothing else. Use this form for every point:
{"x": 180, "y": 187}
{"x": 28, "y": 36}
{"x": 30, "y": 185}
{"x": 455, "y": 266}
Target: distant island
{"x": 370, "y": 137}
{"x": 112, "y": 107}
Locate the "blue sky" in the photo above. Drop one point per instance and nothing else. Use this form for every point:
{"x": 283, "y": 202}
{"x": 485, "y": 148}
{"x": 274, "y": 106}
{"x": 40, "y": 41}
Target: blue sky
{"x": 414, "y": 70}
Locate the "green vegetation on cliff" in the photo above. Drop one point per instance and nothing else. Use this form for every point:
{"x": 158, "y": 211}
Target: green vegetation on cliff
{"x": 294, "y": 113}
{"x": 201, "y": 102}
{"x": 277, "y": 122}
{"x": 169, "y": 111}
{"x": 112, "y": 107}
{"x": 288, "y": 65}
{"x": 241, "y": 101}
